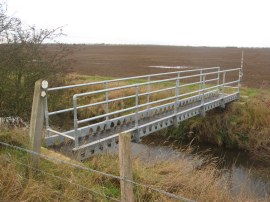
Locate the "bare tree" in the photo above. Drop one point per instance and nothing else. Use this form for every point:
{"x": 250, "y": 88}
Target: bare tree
{"x": 26, "y": 56}
{"x": 7, "y": 23}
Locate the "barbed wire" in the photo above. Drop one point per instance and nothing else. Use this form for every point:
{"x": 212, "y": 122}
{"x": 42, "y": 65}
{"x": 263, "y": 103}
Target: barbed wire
{"x": 171, "y": 195}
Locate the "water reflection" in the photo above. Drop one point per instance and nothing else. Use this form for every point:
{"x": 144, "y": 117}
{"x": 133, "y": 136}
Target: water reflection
{"x": 236, "y": 166}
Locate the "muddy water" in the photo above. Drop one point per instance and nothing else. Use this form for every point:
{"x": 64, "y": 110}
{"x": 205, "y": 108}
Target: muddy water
{"x": 237, "y": 166}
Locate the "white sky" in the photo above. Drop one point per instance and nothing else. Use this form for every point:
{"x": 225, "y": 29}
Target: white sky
{"x": 172, "y": 22}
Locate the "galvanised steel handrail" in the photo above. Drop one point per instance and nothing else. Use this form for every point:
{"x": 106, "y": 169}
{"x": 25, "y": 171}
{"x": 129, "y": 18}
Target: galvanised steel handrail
{"x": 137, "y": 85}
{"x": 126, "y": 97}
{"x": 106, "y": 82}
{"x": 137, "y": 106}
{"x": 153, "y": 102}
{"x": 148, "y": 104}
{"x": 128, "y": 78}
{"x": 151, "y": 82}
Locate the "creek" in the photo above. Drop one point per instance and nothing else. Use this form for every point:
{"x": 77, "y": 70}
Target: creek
{"x": 237, "y": 166}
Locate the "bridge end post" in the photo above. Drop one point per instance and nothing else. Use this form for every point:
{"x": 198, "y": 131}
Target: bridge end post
{"x": 202, "y": 110}
{"x": 222, "y": 105}
{"x": 37, "y": 119}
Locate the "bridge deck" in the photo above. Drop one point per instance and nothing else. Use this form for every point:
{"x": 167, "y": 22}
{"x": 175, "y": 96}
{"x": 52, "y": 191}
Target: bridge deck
{"x": 105, "y": 140}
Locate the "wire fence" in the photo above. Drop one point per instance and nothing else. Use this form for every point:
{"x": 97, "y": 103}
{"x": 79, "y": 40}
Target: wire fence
{"x": 81, "y": 167}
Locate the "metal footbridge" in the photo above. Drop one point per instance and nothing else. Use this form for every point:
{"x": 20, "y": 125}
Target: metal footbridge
{"x": 139, "y": 105}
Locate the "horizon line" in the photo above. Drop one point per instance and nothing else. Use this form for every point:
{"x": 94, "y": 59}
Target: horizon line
{"x": 146, "y": 44}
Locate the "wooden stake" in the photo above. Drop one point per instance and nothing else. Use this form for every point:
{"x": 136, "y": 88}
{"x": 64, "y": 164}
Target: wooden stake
{"x": 36, "y": 123}
{"x": 125, "y": 167}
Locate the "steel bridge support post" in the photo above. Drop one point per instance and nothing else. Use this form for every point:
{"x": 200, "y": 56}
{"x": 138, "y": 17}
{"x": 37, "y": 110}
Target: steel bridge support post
{"x": 148, "y": 95}
{"x": 218, "y": 82}
{"x": 107, "y": 100}
{"x": 202, "y": 111}
{"x": 75, "y": 121}
{"x": 177, "y": 85}
{"x": 239, "y": 84}
{"x": 223, "y": 90}
{"x": 137, "y": 135}
{"x": 201, "y": 80}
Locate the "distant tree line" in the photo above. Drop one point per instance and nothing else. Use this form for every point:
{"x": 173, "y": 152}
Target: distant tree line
{"x": 25, "y": 57}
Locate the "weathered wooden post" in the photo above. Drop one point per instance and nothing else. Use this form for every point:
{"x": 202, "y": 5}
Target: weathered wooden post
{"x": 125, "y": 167}
{"x": 37, "y": 118}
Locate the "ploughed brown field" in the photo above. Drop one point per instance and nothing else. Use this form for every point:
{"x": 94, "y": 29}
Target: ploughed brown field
{"x": 133, "y": 60}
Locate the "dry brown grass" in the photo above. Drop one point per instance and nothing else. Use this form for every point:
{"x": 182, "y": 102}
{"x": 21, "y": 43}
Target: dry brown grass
{"x": 197, "y": 179}
{"x": 243, "y": 124}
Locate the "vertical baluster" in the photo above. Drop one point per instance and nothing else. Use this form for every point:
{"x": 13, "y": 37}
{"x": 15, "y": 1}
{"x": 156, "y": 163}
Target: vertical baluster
{"x": 137, "y": 109}
{"x": 223, "y": 84}
{"x": 107, "y": 100}
{"x": 202, "y": 100}
{"x": 203, "y": 86}
{"x": 239, "y": 84}
{"x": 223, "y": 89}
{"x": 75, "y": 121}
{"x": 148, "y": 94}
{"x": 218, "y": 82}
{"x": 176, "y": 93}
{"x": 46, "y": 115}
{"x": 201, "y": 80}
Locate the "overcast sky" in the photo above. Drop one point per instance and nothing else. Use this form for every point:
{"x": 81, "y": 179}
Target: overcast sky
{"x": 168, "y": 22}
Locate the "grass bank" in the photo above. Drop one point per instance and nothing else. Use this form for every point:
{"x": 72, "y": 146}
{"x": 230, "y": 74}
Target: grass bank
{"x": 244, "y": 125}
{"x": 60, "y": 182}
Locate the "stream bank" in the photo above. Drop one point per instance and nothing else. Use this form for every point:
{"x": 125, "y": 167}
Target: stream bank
{"x": 237, "y": 166}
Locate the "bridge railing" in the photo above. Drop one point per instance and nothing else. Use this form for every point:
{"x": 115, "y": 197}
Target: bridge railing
{"x": 175, "y": 84}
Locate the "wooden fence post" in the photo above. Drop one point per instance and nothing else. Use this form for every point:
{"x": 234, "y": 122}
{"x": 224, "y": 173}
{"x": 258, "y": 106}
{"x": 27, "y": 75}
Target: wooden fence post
{"x": 125, "y": 167}
{"x": 37, "y": 118}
